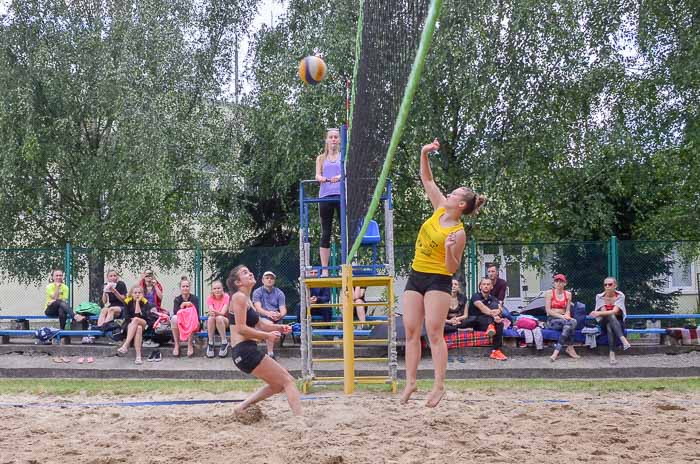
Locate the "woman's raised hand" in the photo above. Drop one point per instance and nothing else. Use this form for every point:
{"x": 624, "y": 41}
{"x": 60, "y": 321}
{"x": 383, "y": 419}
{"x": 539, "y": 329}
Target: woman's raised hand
{"x": 435, "y": 146}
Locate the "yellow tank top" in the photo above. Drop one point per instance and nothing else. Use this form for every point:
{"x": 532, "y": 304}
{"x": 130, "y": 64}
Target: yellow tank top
{"x": 430, "y": 245}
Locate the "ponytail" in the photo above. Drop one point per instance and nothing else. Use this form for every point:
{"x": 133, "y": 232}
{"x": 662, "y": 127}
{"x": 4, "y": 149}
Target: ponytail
{"x": 474, "y": 202}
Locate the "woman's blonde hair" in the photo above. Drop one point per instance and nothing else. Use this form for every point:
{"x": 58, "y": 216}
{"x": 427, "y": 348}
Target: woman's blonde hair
{"x": 326, "y": 147}
{"x": 474, "y": 202}
{"x": 214, "y": 283}
{"x": 131, "y": 290}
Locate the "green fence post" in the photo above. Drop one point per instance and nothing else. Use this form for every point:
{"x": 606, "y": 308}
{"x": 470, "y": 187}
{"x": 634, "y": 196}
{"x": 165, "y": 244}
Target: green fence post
{"x": 334, "y": 257}
{"x": 68, "y": 272}
{"x": 198, "y": 276}
{"x": 613, "y": 258}
{"x": 335, "y": 294}
{"x": 473, "y": 268}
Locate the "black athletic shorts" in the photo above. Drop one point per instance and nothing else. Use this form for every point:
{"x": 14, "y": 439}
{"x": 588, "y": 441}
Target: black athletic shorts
{"x": 246, "y": 356}
{"x": 423, "y": 282}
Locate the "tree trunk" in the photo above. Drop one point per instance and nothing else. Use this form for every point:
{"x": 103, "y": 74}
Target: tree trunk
{"x": 96, "y": 266}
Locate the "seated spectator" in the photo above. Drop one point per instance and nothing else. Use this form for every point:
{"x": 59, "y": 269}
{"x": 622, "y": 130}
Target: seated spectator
{"x": 217, "y": 305}
{"x": 318, "y": 296}
{"x": 183, "y": 327}
{"x": 610, "y": 312}
{"x": 484, "y": 314}
{"x": 57, "y": 299}
{"x": 500, "y": 286}
{"x": 358, "y": 297}
{"x": 152, "y": 289}
{"x": 557, "y": 305}
{"x": 139, "y": 316}
{"x": 113, "y": 296}
{"x": 457, "y": 309}
{"x": 270, "y": 302}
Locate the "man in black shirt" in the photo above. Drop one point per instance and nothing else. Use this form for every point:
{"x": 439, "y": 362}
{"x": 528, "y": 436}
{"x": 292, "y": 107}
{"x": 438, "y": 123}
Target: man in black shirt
{"x": 500, "y": 286}
{"x": 484, "y": 314}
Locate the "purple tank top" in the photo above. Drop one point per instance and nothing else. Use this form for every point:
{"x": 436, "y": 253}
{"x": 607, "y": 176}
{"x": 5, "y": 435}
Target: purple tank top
{"x": 330, "y": 169}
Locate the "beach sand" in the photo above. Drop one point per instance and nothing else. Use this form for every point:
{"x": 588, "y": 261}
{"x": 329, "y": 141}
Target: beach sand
{"x": 529, "y": 426}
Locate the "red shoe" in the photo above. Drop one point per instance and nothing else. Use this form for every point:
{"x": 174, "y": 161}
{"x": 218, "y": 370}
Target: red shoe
{"x": 491, "y": 330}
{"x": 498, "y": 355}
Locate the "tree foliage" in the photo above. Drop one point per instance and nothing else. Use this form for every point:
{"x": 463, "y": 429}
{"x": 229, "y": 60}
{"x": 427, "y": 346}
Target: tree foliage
{"x": 110, "y": 128}
{"x": 568, "y": 115}
{"x": 578, "y": 119}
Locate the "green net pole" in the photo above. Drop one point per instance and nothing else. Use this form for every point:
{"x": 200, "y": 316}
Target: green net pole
{"x": 411, "y": 87}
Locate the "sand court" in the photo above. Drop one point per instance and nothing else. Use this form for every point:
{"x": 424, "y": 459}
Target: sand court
{"x": 530, "y": 426}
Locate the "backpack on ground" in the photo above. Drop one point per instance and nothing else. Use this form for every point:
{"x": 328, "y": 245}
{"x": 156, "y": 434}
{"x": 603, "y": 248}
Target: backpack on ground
{"x": 46, "y": 334}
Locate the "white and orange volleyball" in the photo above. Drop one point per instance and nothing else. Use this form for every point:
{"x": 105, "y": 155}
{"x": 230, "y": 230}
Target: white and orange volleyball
{"x": 312, "y": 70}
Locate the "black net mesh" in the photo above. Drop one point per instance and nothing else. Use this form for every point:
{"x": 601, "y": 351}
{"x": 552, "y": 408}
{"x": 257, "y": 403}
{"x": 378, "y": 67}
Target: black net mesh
{"x": 391, "y": 32}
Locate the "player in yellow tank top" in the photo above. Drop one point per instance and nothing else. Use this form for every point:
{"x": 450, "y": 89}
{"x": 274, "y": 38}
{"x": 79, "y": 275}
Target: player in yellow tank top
{"x": 439, "y": 249}
{"x": 430, "y": 245}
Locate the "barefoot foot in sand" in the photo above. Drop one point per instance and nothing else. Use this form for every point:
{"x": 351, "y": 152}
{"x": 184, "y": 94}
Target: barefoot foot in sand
{"x": 407, "y": 392}
{"x": 434, "y": 398}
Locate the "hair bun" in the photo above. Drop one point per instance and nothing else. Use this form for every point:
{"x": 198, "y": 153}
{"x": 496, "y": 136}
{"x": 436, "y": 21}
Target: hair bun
{"x": 480, "y": 202}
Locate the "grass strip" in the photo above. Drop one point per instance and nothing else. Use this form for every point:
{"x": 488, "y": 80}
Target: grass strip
{"x": 124, "y": 388}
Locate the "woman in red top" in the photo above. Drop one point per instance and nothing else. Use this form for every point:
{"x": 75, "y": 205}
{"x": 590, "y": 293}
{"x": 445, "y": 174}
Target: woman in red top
{"x": 557, "y": 303}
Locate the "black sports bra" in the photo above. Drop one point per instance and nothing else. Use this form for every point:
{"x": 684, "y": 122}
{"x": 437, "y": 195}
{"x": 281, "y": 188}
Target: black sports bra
{"x": 251, "y": 317}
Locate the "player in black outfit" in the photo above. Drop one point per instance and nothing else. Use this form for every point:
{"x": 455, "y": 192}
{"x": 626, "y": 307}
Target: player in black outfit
{"x": 247, "y": 329}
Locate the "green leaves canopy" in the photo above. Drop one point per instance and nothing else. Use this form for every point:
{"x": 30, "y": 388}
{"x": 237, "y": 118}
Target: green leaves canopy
{"x": 577, "y": 119}
{"x": 110, "y": 128}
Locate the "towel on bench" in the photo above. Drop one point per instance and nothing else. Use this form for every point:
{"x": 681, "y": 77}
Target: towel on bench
{"x": 685, "y": 336}
{"x": 467, "y": 338}
{"x": 187, "y": 322}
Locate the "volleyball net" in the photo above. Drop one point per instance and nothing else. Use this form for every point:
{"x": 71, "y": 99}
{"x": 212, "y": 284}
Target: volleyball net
{"x": 393, "y": 38}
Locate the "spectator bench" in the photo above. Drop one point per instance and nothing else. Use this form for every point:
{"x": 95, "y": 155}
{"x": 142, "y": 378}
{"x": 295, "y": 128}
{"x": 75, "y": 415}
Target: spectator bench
{"x": 6, "y": 334}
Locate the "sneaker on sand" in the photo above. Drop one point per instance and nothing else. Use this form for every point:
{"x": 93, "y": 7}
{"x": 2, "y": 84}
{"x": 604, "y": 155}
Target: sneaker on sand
{"x": 223, "y": 350}
{"x": 210, "y": 351}
{"x": 498, "y": 355}
{"x": 491, "y": 330}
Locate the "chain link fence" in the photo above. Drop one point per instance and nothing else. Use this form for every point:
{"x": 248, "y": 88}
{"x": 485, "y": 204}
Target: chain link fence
{"x": 24, "y": 275}
{"x": 657, "y": 277}
{"x": 529, "y": 267}
{"x": 90, "y": 266}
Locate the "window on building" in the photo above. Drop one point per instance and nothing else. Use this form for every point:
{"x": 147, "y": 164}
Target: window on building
{"x": 681, "y": 275}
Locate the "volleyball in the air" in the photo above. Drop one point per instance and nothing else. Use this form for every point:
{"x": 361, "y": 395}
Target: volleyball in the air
{"x": 312, "y": 70}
